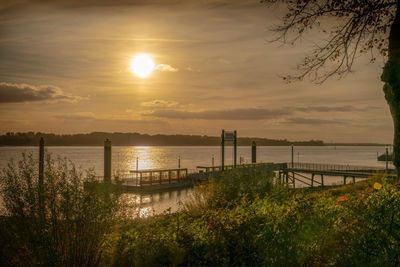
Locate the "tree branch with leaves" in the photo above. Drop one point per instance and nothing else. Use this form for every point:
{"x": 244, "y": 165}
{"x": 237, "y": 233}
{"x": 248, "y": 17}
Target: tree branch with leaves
{"x": 352, "y": 28}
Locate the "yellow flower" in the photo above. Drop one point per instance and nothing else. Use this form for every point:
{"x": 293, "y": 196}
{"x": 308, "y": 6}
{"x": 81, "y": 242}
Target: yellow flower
{"x": 377, "y": 186}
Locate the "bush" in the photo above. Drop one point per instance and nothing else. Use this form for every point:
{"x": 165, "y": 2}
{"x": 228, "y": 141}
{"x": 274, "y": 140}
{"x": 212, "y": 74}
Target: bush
{"x": 67, "y": 225}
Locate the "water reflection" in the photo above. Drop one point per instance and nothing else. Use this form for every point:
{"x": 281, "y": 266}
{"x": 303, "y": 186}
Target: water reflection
{"x": 145, "y": 205}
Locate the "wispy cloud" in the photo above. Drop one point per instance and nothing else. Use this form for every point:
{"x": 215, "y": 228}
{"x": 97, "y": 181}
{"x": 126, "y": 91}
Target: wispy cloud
{"x": 313, "y": 121}
{"x": 159, "y": 103}
{"x": 325, "y": 108}
{"x": 18, "y": 93}
{"x": 231, "y": 114}
{"x": 166, "y": 67}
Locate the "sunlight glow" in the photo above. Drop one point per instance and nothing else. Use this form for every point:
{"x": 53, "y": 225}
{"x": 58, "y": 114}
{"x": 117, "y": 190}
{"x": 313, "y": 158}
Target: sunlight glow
{"x": 142, "y": 65}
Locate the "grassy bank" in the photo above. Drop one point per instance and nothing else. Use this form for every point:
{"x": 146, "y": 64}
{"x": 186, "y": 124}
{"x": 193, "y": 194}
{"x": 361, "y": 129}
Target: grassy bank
{"x": 245, "y": 219}
{"x": 240, "y": 222}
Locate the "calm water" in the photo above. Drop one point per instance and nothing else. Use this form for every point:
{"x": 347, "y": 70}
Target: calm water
{"x": 124, "y": 159}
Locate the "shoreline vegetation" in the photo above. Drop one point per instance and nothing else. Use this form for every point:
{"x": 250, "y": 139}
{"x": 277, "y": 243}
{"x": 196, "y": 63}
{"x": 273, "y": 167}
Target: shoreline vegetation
{"x": 244, "y": 218}
{"x": 137, "y": 139}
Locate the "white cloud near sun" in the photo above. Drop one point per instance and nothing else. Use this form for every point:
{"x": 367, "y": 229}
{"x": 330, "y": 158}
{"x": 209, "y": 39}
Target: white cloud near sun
{"x": 165, "y": 67}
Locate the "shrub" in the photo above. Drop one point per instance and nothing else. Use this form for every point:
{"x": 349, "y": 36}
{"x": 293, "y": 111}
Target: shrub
{"x": 67, "y": 227}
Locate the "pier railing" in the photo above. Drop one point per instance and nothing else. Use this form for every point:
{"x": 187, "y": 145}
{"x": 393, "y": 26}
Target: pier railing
{"x": 149, "y": 177}
{"x": 332, "y": 167}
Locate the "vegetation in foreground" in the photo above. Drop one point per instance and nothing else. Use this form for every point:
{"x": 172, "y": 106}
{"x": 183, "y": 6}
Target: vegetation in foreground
{"x": 241, "y": 219}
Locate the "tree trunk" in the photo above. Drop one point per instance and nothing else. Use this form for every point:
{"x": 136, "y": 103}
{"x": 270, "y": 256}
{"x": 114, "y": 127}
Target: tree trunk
{"x": 391, "y": 77}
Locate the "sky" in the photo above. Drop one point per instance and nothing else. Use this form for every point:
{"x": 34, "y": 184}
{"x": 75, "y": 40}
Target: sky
{"x": 65, "y": 68}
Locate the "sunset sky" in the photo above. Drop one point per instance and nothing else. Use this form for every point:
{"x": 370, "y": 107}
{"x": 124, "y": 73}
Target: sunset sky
{"x": 65, "y": 68}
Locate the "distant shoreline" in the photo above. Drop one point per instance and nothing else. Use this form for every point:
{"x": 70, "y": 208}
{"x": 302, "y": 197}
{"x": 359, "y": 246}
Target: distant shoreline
{"x": 136, "y": 139}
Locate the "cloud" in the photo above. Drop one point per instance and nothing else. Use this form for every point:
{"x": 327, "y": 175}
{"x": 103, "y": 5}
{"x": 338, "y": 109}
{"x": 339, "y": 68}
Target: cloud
{"x": 166, "y": 67}
{"x": 326, "y": 108}
{"x": 231, "y": 114}
{"x": 18, "y": 93}
{"x": 192, "y": 69}
{"x": 80, "y": 117}
{"x": 312, "y": 121}
{"x": 91, "y": 118}
{"x": 158, "y": 103}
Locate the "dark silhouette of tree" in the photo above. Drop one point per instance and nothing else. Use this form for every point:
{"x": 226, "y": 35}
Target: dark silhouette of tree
{"x": 353, "y": 27}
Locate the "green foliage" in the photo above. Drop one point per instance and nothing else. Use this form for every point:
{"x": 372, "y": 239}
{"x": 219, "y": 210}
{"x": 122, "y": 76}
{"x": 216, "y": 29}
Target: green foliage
{"x": 241, "y": 219}
{"x": 63, "y": 225}
{"x": 257, "y": 223}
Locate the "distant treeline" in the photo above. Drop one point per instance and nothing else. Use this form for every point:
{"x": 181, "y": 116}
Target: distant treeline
{"x": 134, "y": 139}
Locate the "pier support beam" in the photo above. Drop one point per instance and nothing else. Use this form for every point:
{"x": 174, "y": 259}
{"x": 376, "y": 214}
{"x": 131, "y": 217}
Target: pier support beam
{"x": 322, "y": 180}
{"x": 107, "y": 161}
{"x": 312, "y": 180}
{"x": 222, "y": 150}
{"x": 41, "y": 177}
{"x": 234, "y": 149}
{"x": 344, "y": 179}
{"x": 253, "y": 152}
{"x": 293, "y": 180}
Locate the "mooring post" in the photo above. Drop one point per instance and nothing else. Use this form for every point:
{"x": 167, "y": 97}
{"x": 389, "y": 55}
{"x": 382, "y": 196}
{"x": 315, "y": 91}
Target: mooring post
{"x": 234, "y": 149}
{"x": 312, "y": 180}
{"x": 41, "y": 176}
{"x": 107, "y": 161}
{"x": 179, "y": 162}
{"x": 222, "y": 150}
{"x": 41, "y": 162}
{"x": 322, "y": 180}
{"x": 253, "y": 152}
{"x": 294, "y": 181}
{"x": 212, "y": 163}
{"x": 344, "y": 179}
{"x": 292, "y": 156}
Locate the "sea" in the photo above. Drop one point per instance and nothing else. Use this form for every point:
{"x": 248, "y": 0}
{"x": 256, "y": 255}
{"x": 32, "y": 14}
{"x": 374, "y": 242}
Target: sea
{"x": 125, "y": 158}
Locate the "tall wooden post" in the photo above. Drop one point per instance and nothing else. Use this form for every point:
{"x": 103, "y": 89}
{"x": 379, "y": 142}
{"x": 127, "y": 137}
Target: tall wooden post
{"x": 107, "y": 161}
{"x": 253, "y": 152}
{"x": 179, "y": 162}
{"x": 41, "y": 177}
{"x": 222, "y": 150}
{"x": 234, "y": 149}
{"x": 41, "y": 162}
{"x": 312, "y": 180}
{"x": 292, "y": 156}
{"x": 212, "y": 162}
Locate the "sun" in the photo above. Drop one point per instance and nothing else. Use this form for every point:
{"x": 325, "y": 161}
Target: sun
{"x": 142, "y": 65}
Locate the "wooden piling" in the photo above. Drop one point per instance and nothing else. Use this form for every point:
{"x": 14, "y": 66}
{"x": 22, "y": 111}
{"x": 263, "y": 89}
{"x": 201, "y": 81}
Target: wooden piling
{"x": 234, "y": 149}
{"x": 107, "y": 161}
{"x": 222, "y": 150}
{"x": 41, "y": 177}
{"x": 322, "y": 180}
{"x": 312, "y": 180}
{"x": 253, "y": 152}
{"x": 294, "y": 181}
{"x": 344, "y": 179}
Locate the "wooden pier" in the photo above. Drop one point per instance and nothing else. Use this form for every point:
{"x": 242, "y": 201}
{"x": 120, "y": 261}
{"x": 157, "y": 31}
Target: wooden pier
{"x": 292, "y": 172}
{"x": 158, "y": 180}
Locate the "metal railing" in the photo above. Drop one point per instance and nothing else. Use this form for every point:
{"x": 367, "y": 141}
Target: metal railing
{"x": 331, "y": 167}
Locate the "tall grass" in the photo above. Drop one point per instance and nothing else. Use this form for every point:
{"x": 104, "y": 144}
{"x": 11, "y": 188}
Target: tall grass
{"x": 71, "y": 225}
